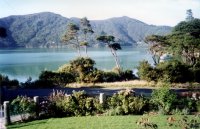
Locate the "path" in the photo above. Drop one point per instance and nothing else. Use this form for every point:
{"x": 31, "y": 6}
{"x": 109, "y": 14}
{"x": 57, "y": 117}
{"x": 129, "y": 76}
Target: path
{"x": 13, "y": 93}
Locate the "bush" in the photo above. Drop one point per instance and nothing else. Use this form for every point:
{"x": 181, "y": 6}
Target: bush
{"x": 124, "y": 103}
{"x": 23, "y": 105}
{"x": 168, "y": 71}
{"x": 77, "y": 104}
{"x": 147, "y": 72}
{"x": 82, "y": 69}
{"x": 127, "y": 75}
{"x": 164, "y": 98}
{"x": 186, "y": 103}
{"x": 174, "y": 71}
{"x": 57, "y": 79}
{"x": 196, "y": 72}
{"x": 110, "y": 77}
{"x": 5, "y": 81}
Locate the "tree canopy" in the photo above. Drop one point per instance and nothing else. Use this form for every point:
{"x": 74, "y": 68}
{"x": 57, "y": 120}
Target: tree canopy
{"x": 183, "y": 42}
{"x": 189, "y": 15}
{"x": 77, "y": 35}
{"x": 71, "y": 36}
{"x": 86, "y": 28}
{"x": 157, "y": 46}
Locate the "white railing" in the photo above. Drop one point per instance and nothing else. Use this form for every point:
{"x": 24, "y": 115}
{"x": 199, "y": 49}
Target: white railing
{"x": 1, "y": 117}
{"x": 1, "y": 111}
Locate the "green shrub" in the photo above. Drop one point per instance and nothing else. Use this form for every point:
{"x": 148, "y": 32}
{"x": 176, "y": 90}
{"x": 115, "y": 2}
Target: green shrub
{"x": 127, "y": 75}
{"x": 186, "y": 103}
{"x": 110, "y": 77}
{"x": 57, "y": 79}
{"x": 124, "y": 103}
{"x": 164, "y": 98}
{"x": 82, "y": 69}
{"x": 174, "y": 71}
{"x": 196, "y": 72}
{"x": 49, "y": 79}
{"x": 168, "y": 71}
{"x": 41, "y": 84}
{"x": 23, "y": 105}
{"x": 198, "y": 105}
{"x": 77, "y": 104}
{"x": 147, "y": 72}
{"x": 5, "y": 81}
{"x": 184, "y": 122}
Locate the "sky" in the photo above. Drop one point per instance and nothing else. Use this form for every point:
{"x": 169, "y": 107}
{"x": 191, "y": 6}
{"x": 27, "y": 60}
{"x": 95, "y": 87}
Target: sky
{"x": 156, "y": 12}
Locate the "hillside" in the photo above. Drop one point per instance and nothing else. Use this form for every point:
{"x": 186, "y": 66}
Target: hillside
{"x": 44, "y": 29}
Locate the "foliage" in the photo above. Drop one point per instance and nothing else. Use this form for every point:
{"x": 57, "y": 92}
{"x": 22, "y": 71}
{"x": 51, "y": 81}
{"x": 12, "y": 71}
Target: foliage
{"x": 184, "y": 122}
{"x": 109, "y": 77}
{"x": 71, "y": 36}
{"x": 23, "y": 105}
{"x": 164, "y": 98}
{"x": 174, "y": 71}
{"x": 168, "y": 71}
{"x": 127, "y": 75}
{"x": 189, "y": 16}
{"x": 196, "y": 72}
{"x": 86, "y": 28}
{"x": 84, "y": 71}
{"x": 124, "y": 102}
{"x": 157, "y": 46}
{"x": 192, "y": 27}
{"x": 77, "y": 104}
{"x": 49, "y": 79}
{"x": 183, "y": 42}
{"x": 57, "y": 79}
{"x": 147, "y": 72}
{"x": 5, "y": 81}
{"x": 60, "y": 104}
{"x": 198, "y": 105}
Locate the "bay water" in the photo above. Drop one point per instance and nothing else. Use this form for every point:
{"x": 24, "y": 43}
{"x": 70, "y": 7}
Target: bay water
{"x": 23, "y": 63}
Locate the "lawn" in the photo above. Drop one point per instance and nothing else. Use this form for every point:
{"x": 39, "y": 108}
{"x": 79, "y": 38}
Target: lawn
{"x": 94, "y": 122}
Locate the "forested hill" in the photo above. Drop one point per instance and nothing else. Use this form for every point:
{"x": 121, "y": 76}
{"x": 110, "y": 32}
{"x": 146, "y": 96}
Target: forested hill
{"x": 44, "y": 29}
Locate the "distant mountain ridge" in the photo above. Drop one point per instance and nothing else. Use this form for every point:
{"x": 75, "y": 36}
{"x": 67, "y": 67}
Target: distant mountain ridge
{"x": 45, "y": 29}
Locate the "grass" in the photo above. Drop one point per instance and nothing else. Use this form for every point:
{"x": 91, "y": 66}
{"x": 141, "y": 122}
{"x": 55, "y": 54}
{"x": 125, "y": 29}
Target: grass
{"x": 134, "y": 84}
{"x": 94, "y": 122}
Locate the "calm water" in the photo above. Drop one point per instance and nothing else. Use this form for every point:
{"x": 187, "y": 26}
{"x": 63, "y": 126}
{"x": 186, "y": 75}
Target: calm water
{"x": 23, "y": 63}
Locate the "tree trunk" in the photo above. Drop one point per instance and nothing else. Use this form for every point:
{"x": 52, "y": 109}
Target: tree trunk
{"x": 86, "y": 45}
{"x": 86, "y": 50}
{"x": 115, "y": 58}
{"x": 78, "y": 47}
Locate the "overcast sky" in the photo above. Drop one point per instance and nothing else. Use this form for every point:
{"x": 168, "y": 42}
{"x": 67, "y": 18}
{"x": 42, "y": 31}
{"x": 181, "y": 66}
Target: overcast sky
{"x": 157, "y": 12}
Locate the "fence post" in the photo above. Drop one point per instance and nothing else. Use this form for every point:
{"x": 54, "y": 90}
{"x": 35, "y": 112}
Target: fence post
{"x": 102, "y": 98}
{"x": 1, "y": 95}
{"x": 36, "y": 100}
{"x": 7, "y": 112}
